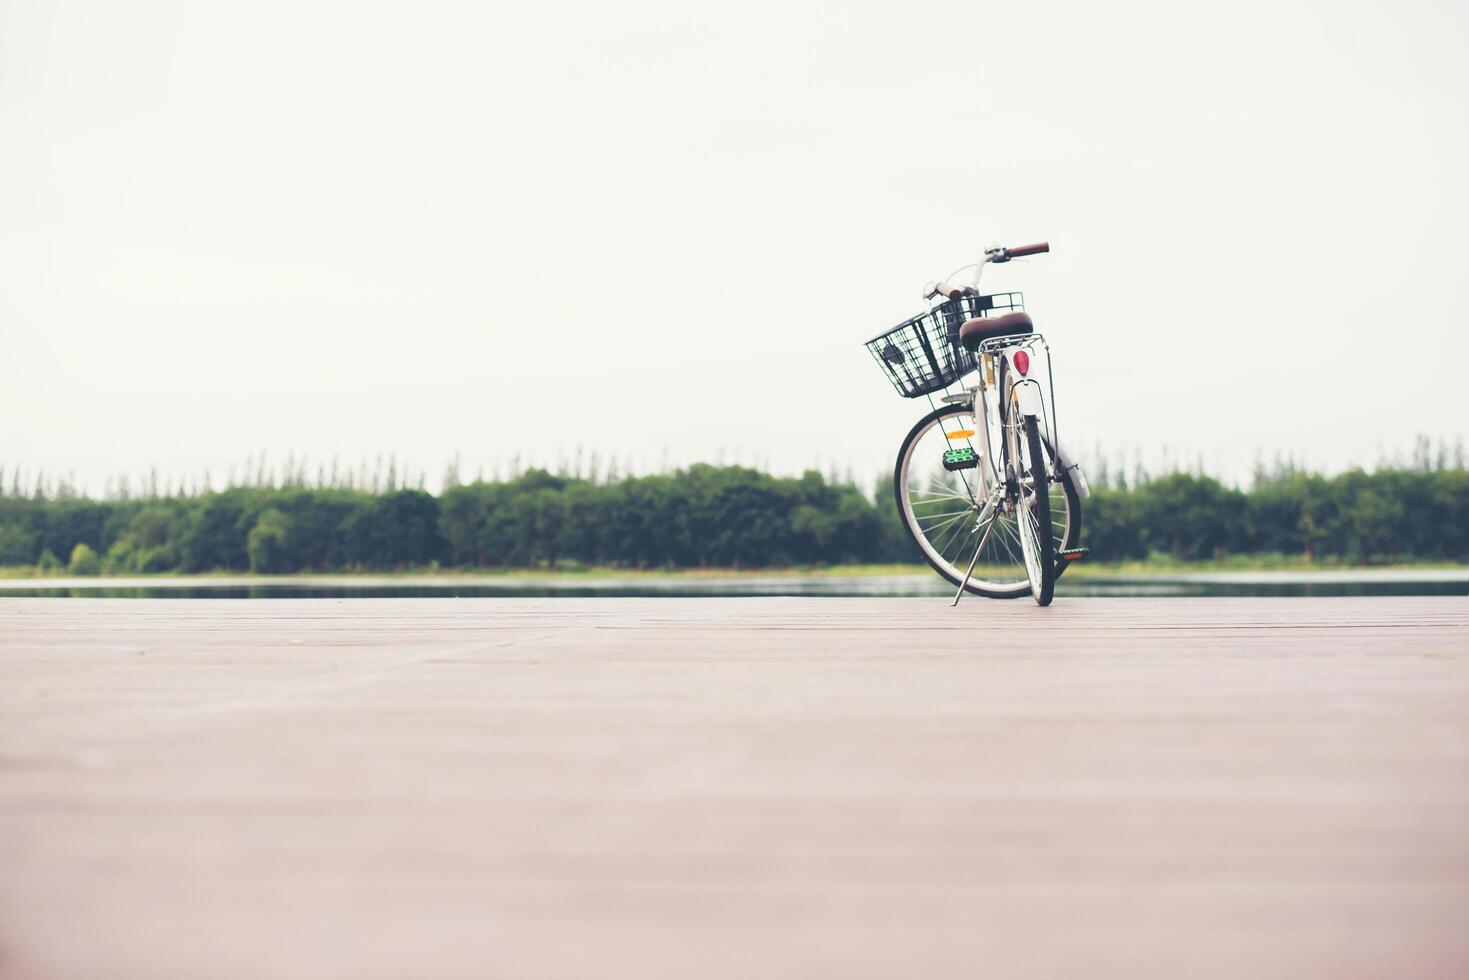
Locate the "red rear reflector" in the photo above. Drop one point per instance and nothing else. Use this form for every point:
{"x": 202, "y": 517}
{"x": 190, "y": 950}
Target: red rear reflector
{"x": 1021, "y": 360}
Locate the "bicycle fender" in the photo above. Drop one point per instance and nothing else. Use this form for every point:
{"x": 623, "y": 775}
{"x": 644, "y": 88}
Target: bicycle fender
{"x": 1027, "y": 396}
{"x": 1067, "y": 464}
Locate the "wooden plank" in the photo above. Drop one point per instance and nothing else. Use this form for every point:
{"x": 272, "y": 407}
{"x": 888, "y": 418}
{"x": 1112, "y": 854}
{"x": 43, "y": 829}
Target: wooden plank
{"x": 734, "y": 788}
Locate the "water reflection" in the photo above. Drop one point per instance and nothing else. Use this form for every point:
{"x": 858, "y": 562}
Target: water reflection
{"x": 1382, "y": 583}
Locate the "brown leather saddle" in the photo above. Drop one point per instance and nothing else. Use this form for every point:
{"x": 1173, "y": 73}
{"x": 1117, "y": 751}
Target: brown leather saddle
{"x": 979, "y": 329}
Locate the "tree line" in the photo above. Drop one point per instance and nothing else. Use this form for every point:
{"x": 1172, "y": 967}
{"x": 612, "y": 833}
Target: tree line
{"x": 708, "y": 516}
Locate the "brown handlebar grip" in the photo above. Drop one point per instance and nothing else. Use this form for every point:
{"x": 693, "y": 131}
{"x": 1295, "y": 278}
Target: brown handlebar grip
{"x": 1035, "y": 249}
{"x": 946, "y": 291}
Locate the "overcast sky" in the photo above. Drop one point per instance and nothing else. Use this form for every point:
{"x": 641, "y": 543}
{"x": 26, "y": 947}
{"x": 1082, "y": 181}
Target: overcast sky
{"x": 661, "y": 231}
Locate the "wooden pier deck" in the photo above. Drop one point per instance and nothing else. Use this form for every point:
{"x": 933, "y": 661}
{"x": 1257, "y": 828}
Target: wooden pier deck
{"x": 734, "y": 788}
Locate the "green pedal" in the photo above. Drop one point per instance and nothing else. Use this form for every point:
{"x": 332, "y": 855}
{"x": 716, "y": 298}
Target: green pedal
{"x": 960, "y": 459}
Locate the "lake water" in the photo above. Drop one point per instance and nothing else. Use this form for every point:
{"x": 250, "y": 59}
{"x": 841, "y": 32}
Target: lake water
{"x": 1451, "y": 582}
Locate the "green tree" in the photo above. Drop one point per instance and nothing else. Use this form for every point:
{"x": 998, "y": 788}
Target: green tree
{"x": 267, "y": 541}
{"x": 405, "y": 529}
{"x": 213, "y": 535}
{"x": 84, "y": 561}
{"x": 1191, "y": 517}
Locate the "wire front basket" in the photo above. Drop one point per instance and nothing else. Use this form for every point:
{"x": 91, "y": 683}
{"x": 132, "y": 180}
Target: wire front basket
{"x": 922, "y": 355}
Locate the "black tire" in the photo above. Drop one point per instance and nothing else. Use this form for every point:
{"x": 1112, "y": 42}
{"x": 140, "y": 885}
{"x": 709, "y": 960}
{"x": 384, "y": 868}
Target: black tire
{"x": 1073, "y": 508}
{"x": 1041, "y": 498}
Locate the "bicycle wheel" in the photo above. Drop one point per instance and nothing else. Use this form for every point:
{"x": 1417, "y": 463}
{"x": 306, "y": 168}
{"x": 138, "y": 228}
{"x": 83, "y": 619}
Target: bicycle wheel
{"x": 1033, "y": 506}
{"x": 940, "y": 508}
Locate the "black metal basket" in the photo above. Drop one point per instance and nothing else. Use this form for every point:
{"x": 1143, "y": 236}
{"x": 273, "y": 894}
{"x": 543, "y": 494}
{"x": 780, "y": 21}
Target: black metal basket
{"x": 922, "y": 355}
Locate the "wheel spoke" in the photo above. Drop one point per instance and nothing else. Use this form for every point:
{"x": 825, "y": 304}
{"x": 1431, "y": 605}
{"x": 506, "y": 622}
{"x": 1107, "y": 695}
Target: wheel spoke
{"x": 933, "y": 530}
{"x": 946, "y": 513}
{"x": 939, "y": 490}
{"x": 1010, "y": 534}
{"x": 949, "y": 536}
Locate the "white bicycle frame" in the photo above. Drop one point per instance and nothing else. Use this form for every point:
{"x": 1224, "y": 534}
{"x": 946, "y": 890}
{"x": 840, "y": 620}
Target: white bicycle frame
{"x": 1026, "y": 393}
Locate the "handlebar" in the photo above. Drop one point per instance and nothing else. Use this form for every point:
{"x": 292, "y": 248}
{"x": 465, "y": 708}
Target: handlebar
{"x": 946, "y": 291}
{"x": 1035, "y": 249}
{"x": 1006, "y": 254}
{"x": 991, "y": 255}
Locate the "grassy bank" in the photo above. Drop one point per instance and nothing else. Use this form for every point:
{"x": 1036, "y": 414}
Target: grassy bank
{"x": 1160, "y": 566}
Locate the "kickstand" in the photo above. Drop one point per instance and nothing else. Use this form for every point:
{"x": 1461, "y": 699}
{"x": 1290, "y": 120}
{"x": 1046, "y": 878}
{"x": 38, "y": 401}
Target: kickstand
{"x": 977, "y": 549}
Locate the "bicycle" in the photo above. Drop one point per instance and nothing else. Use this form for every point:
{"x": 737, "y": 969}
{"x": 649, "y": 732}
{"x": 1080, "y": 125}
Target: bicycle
{"x": 1001, "y": 524}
